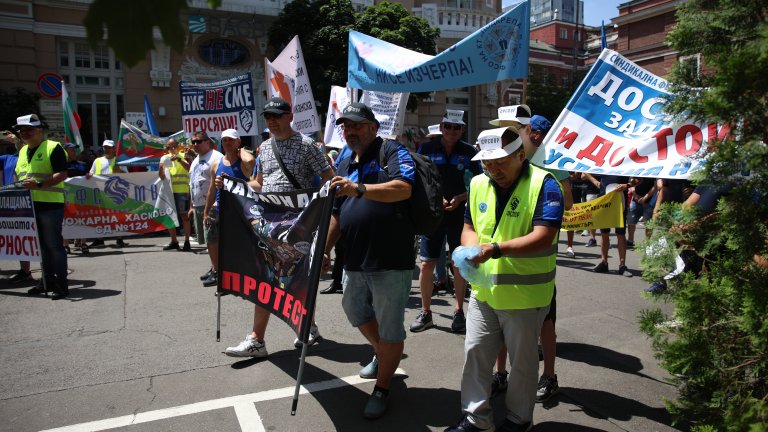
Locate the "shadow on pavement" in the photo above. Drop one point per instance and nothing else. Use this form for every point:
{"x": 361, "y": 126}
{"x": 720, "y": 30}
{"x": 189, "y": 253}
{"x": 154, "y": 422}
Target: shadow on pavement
{"x": 603, "y": 405}
{"x": 602, "y": 357}
{"x": 560, "y": 427}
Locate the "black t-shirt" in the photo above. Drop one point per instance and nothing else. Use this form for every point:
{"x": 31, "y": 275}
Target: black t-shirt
{"x": 376, "y": 236}
{"x": 58, "y": 163}
{"x": 645, "y": 185}
{"x": 676, "y": 190}
{"x": 452, "y": 167}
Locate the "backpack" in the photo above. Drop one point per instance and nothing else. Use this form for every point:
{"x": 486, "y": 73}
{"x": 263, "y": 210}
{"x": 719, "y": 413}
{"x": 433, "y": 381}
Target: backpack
{"x": 424, "y": 209}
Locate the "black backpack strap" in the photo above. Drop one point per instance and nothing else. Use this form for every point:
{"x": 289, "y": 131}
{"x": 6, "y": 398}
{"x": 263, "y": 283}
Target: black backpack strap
{"x": 286, "y": 173}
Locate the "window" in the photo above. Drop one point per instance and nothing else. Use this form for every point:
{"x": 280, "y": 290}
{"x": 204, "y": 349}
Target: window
{"x": 563, "y": 33}
{"x": 223, "y": 52}
{"x": 691, "y": 65}
{"x": 63, "y": 54}
{"x": 82, "y": 56}
{"x": 101, "y": 57}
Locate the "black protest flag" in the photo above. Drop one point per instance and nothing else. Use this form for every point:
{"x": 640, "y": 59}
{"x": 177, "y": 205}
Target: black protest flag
{"x": 266, "y": 245}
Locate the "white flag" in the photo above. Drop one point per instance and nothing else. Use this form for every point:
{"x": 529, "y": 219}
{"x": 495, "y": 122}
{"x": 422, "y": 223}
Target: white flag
{"x": 288, "y": 71}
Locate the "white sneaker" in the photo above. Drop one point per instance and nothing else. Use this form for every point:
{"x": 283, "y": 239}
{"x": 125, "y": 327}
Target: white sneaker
{"x": 569, "y": 252}
{"x": 584, "y": 233}
{"x": 250, "y": 347}
{"x": 314, "y": 337}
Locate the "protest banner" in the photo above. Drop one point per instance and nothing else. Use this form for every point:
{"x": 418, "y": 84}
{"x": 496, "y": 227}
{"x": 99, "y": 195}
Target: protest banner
{"x": 265, "y": 244}
{"x": 287, "y": 74}
{"x": 606, "y": 211}
{"x": 339, "y": 99}
{"x": 497, "y": 51}
{"x": 18, "y": 229}
{"x": 118, "y": 205}
{"x": 615, "y": 124}
{"x": 138, "y": 148}
{"x": 216, "y": 106}
{"x": 389, "y": 109}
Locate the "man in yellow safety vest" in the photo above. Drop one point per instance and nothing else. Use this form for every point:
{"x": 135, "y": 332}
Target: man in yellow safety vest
{"x": 177, "y": 164}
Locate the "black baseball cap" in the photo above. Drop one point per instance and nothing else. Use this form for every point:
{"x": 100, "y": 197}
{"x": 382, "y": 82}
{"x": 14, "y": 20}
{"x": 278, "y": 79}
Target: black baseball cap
{"x": 357, "y": 112}
{"x": 277, "y": 105}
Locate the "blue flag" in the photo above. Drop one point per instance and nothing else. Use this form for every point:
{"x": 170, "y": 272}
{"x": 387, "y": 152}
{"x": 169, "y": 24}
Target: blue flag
{"x": 603, "y": 43}
{"x": 495, "y": 52}
{"x": 151, "y": 126}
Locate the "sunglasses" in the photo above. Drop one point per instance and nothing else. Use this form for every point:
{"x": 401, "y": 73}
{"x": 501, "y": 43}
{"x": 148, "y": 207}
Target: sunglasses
{"x": 272, "y": 116}
{"x": 451, "y": 126}
{"x": 198, "y": 141}
{"x": 354, "y": 126}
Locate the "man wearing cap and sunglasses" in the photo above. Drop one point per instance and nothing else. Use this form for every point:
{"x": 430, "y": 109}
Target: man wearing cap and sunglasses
{"x": 513, "y": 213}
{"x": 378, "y": 244}
{"x": 42, "y": 167}
{"x": 452, "y": 157}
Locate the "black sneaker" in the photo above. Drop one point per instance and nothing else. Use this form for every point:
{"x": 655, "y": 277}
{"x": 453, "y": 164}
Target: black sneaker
{"x": 206, "y": 275}
{"x": 510, "y": 426}
{"x": 212, "y": 280}
{"x": 630, "y": 244}
{"x": 459, "y": 323}
{"x": 657, "y": 287}
{"x": 186, "y": 247}
{"x": 172, "y": 246}
{"x": 97, "y": 243}
{"x": 36, "y": 290}
{"x": 547, "y": 388}
{"x": 601, "y": 268}
{"x": 332, "y": 288}
{"x": 499, "y": 383}
{"x": 59, "y": 294}
{"x": 422, "y": 322}
{"x": 122, "y": 244}
{"x": 20, "y": 276}
{"x": 464, "y": 426}
{"x": 624, "y": 271}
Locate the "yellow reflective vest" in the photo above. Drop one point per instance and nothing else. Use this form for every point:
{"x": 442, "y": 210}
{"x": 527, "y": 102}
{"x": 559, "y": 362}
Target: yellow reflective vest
{"x": 179, "y": 174}
{"x": 518, "y": 282}
{"x": 97, "y": 165}
{"x": 40, "y": 169}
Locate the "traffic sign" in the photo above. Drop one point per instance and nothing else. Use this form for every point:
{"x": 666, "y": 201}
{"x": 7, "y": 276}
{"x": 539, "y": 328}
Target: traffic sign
{"x": 49, "y": 85}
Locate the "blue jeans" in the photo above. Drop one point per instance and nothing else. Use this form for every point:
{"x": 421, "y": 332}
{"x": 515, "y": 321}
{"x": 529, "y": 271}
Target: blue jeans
{"x": 49, "y": 225}
{"x": 380, "y": 296}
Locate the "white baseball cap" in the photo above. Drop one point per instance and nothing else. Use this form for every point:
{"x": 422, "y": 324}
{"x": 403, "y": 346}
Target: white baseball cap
{"x": 514, "y": 113}
{"x": 108, "y": 143}
{"x": 230, "y": 133}
{"x": 490, "y": 144}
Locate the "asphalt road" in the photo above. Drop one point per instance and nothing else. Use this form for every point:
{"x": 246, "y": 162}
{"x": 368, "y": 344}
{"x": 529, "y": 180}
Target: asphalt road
{"x": 134, "y": 349}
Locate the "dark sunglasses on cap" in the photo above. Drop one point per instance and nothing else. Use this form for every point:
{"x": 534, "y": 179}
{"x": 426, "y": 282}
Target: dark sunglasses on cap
{"x": 451, "y": 126}
{"x": 272, "y": 116}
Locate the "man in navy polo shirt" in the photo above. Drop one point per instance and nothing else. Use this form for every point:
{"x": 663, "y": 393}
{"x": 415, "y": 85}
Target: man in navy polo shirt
{"x": 452, "y": 157}
{"x": 370, "y": 223}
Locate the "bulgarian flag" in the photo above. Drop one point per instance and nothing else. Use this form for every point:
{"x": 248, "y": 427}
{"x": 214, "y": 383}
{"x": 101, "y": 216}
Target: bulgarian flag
{"x": 72, "y": 121}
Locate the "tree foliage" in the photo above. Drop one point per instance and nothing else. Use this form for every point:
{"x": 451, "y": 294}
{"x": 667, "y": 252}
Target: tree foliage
{"x": 128, "y": 25}
{"x": 17, "y": 102}
{"x": 716, "y": 350}
{"x": 325, "y": 42}
{"x": 544, "y": 95}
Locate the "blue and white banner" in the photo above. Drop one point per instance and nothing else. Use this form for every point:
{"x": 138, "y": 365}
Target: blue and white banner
{"x": 216, "y": 106}
{"x": 495, "y": 52}
{"x": 616, "y": 124}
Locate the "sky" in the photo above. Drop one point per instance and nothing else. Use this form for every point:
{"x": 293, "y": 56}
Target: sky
{"x": 594, "y": 10}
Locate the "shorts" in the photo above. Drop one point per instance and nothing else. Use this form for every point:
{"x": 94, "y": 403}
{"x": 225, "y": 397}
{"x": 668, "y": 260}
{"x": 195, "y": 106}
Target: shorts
{"x": 552, "y": 314}
{"x": 637, "y": 210}
{"x": 380, "y": 295}
{"x": 618, "y": 231}
{"x": 212, "y": 229}
{"x": 199, "y": 228}
{"x": 450, "y": 229}
{"x": 182, "y": 202}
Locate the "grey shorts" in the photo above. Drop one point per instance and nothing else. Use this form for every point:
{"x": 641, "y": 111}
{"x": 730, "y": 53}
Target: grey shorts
{"x": 378, "y": 295}
{"x": 199, "y": 228}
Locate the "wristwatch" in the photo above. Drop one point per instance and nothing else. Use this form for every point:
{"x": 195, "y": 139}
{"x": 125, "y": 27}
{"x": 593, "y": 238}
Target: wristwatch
{"x": 496, "y": 251}
{"x": 360, "y": 188}
{"x": 39, "y": 185}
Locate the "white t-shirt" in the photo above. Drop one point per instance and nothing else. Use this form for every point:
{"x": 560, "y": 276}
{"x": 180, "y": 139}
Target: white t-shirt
{"x": 200, "y": 176}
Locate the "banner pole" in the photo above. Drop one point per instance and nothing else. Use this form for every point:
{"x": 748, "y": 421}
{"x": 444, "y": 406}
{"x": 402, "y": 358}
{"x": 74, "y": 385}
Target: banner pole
{"x": 315, "y": 269}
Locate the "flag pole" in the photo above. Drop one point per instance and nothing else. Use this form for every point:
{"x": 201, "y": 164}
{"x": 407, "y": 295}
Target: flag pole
{"x": 315, "y": 269}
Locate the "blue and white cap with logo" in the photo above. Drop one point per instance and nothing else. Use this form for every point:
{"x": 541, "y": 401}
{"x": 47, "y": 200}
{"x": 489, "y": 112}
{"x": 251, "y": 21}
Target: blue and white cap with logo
{"x": 490, "y": 144}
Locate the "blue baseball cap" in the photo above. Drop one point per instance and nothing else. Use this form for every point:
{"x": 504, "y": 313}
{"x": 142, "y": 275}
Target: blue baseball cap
{"x": 541, "y": 124}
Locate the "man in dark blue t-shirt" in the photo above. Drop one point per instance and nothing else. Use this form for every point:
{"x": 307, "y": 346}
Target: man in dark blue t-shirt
{"x": 453, "y": 158}
{"x": 378, "y": 242}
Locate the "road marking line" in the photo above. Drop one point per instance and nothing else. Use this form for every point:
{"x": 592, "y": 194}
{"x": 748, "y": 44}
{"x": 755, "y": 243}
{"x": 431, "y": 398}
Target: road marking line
{"x": 214, "y": 404}
{"x": 248, "y": 417}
